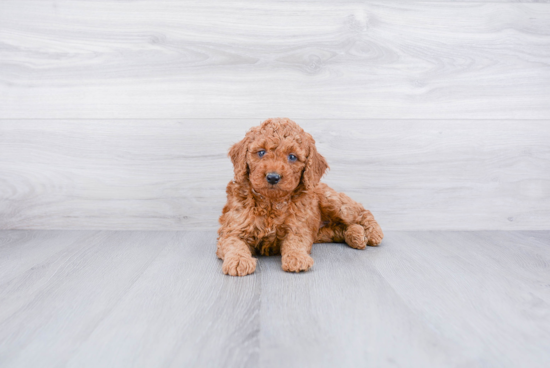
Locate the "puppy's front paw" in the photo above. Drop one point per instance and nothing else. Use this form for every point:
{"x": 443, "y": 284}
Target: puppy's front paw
{"x": 219, "y": 252}
{"x": 296, "y": 262}
{"x": 238, "y": 265}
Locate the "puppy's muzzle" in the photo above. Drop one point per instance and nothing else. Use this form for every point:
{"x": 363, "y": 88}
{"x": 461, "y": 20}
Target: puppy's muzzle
{"x": 273, "y": 178}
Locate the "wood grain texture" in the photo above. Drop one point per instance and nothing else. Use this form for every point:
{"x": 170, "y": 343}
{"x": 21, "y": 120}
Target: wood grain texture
{"x": 474, "y": 299}
{"x": 126, "y": 299}
{"x": 171, "y": 174}
{"x": 174, "y": 59}
{"x": 422, "y": 299}
{"x": 148, "y": 299}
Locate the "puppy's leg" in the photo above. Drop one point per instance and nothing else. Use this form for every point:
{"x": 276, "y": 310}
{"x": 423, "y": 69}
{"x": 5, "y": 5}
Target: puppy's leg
{"x": 237, "y": 258}
{"x": 348, "y": 216}
{"x": 295, "y": 251}
{"x": 353, "y": 235}
{"x": 331, "y": 233}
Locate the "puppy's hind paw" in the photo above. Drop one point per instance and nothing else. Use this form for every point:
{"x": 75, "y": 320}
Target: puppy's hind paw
{"x": 374, "y": 234}
{"x": 355, "y": 236}
{"x": 238, "y": 265}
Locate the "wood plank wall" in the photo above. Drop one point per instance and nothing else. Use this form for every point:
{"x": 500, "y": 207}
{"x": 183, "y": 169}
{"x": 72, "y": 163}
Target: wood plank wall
{"x": 118, "y": 114}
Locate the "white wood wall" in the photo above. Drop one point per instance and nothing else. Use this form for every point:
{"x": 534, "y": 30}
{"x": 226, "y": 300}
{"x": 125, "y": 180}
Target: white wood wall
{"x": 118, "y": 114}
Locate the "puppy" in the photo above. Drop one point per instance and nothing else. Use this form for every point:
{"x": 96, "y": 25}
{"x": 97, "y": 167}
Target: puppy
{"x": 276, "y": 204}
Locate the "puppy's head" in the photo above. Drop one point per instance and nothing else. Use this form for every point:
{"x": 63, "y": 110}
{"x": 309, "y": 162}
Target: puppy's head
{"x": 277, "y": 157}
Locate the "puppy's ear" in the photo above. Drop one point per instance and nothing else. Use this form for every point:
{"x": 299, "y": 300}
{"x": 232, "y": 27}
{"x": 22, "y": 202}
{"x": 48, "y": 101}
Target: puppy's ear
{"x": 316, "y": 165}
{"x": 237, "y": 153}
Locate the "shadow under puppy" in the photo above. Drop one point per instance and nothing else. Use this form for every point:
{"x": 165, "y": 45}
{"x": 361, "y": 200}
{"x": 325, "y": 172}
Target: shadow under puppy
{"x": 276, "y": 204}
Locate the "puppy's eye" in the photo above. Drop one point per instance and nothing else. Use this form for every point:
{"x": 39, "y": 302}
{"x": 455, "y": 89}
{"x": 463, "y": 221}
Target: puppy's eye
{"x": 292, "y": 158}
{"x": 261, "y": 153}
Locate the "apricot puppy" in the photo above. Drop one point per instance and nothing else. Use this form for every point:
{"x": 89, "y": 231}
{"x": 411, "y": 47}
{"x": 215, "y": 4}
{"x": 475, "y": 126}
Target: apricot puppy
{"x": 276, "y": 204}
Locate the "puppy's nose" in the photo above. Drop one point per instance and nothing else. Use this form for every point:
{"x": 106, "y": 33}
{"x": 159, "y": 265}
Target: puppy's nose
{"x": 273, "y": 178}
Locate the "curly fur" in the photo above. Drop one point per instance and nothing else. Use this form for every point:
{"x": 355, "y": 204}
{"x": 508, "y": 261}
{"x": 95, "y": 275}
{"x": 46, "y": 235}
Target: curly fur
{"x": 288, "y": 217}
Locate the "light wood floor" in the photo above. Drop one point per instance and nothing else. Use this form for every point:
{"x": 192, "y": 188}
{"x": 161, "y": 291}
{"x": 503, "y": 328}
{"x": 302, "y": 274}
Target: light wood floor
{"x": 151, "y": 299}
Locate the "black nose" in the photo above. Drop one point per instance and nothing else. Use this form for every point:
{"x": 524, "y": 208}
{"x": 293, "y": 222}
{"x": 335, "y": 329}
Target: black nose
{"x": 273, "y": 178}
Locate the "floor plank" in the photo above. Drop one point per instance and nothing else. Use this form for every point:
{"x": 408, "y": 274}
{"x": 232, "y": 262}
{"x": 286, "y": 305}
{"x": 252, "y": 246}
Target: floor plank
{"x": 57, "y": 304}
{"x": 142, "y": 299}
{"x": 490, "y": 312}
{"x": 182, "y": 312}
{"x": 20, "y": 251}
{"x": 173, "y": 59}
{"x": 343, "y": 313}
{"x": 127, "y": 298}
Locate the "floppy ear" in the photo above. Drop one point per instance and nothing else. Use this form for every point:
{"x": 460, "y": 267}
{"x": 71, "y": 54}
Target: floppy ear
{"x": 237, "y": 153}
{"x": 316, "y": 165}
